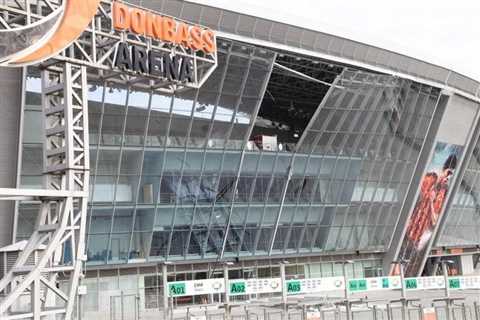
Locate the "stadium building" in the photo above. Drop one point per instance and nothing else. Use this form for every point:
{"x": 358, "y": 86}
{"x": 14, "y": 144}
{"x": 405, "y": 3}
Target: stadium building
{"x": 300, "y": 146}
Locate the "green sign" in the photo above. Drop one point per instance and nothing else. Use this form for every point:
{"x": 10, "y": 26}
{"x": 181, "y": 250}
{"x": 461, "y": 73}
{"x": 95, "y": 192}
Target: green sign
{"x": 454, "y": 283}
{"x": 357, "y": 285}
{"x": 411, "y": 284}
{"x": 237, "y": 287}
{"x": 294, "y": 286}
{"x": 385, "y": 283}
{"x": 177, "y": 289}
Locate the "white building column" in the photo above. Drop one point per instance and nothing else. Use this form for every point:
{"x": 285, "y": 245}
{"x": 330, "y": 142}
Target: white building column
{"x": 466, "y": 265}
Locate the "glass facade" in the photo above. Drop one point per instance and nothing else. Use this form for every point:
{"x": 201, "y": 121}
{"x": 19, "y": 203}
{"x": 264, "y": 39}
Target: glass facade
{"x": 257, "y": 162}
{"x": 463, "y": 220}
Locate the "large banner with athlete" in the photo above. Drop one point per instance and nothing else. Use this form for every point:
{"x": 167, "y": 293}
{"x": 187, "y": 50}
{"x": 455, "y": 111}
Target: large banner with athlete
{"x": 430, "y": 201}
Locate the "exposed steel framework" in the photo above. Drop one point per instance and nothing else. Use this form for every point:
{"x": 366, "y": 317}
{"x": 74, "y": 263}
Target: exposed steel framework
{"x": 56, "y": 248}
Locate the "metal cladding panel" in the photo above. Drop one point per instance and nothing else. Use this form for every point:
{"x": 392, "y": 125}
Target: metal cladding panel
{"x": 191, "y": 12}
{"x": 172, "y": 8}
{"x": 308, "y": 39}
{"x": 263, "y": 29}
{"x": 211, "y": 17}
{"x": 336, "y": 46}
{"x": 294, "y": 34}
{"x": 399, "y": 62}
{"x": 229, "y": 22}
{"x": 322, "y": 42}
{"x": 246, "y": 26}
{"x": 361, "y": 51}
{"x": 277, "y": 32}
{"x": 349, "y": 50}
{"x": 461, "y": 82}
{"x": 154, "y": 5}
{"x": 438, "y": 74}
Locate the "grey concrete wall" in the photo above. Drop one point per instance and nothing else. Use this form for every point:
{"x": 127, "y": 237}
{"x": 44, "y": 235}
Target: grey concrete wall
{"x": 10, "y": 110}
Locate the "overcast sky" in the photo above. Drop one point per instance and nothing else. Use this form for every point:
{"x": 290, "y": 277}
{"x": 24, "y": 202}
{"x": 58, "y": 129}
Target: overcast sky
{"x": 446, "y": 33}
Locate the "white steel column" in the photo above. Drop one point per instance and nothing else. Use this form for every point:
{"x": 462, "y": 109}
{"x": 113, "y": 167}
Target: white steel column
{"x": 57, "y": 245}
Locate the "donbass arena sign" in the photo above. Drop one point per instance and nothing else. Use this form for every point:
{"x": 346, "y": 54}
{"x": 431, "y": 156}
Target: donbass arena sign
{"x": 117, "y": 41}
{"x": 173, "y": 50}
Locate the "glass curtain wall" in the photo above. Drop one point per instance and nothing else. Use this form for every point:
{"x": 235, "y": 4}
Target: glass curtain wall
{"x": 182, "y": 176}
{"x": 159, "y": 163}
{"x": 463, "y": 219}
{"x": 167, "y": 164}
{"x": 363, "y": 145}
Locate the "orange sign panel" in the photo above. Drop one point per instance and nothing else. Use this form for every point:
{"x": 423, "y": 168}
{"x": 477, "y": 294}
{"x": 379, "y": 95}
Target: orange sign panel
{"x": 148, "y": 24}
{"x": 76, "y": 17}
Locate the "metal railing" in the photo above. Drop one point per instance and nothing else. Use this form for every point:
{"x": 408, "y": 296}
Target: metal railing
{"x": 132, "y": 305}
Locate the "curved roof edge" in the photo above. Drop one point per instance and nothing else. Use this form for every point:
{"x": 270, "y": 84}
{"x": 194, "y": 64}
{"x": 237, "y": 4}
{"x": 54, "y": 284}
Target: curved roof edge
{"x": 271, "y": 33}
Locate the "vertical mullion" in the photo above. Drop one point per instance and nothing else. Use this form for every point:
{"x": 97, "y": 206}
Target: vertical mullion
{"x": 390, "y": 181}
{"x": 362, "y": 109}
{"x": 94, "y": 178}
{"x": 140, "y": 172}
{"x": 319, "y": 132}
{"x": 212, "y": 210}
{"x": 332, "y": 179}
{"x": 349, "y": 109}
{"x": 179, "y": 182}
{"x": 374, "y": 226}
{"x": 282, "y": 202}
{"x": 463, "y": 206}
{"x": 242, "y": 155}
{"x": 378, "y": 182}
{"x": 369, "y": 91}
{"x": 409, "y": 112}
{"x": 162, "y": 169}
{"x": 219, "y": 94}
{"x": 249, "y": 201}
{"x": 235, "y": 182}
{"x": 265, "y": 202}
{"x": 247, "y": 136}
{"x": 260, "y": 100}
{"x": 213, "y": 206}
{"x": 119, "y": 165}
{"x": 189, "y": 130}
{"x": 185, "y": 152}
{"x": 404, "y": 143}
{"x": 375, "y": 92}
{"x": 205, "y": 146}
{"x": 297, "y": 203}
{"x": 402, "y": 202}
{"x": 312, "y": 195}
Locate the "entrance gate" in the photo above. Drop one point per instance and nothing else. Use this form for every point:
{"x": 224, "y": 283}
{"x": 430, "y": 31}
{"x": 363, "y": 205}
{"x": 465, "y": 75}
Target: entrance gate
{"x": 125, "y": 307}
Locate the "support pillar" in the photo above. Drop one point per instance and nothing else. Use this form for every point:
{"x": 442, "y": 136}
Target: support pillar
{"x": 226, "y": 296}
{"x": 284, "y": 287}
{"x": 165, "y": 289}
{"x": 61, "y": 222}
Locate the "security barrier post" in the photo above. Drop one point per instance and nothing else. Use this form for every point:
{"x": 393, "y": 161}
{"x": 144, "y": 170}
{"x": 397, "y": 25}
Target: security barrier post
{"x": 165, "y": 289}
{"x": 226, "y": 295}
{"x": 284, "y": 286}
